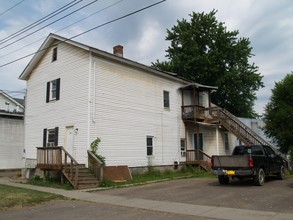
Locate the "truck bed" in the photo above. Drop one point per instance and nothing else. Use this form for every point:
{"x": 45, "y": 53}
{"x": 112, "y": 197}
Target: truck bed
{"x": 231, "y": 161}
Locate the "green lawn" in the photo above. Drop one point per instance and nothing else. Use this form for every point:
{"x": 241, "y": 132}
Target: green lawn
{"x": 19, "y": 197}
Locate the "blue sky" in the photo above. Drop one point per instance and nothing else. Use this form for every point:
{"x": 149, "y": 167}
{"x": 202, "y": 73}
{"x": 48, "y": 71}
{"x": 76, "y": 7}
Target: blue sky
{"x": 267, "y": 23}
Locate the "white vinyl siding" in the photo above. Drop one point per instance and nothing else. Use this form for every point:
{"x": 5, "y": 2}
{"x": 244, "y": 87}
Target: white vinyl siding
{"x": 72, "y": 107}
{"x": 11, "y": 144}
{"x": 126, "y": 107}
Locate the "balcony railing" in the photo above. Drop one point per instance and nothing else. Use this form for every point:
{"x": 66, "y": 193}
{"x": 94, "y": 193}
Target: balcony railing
{"x": 193, "y": 112}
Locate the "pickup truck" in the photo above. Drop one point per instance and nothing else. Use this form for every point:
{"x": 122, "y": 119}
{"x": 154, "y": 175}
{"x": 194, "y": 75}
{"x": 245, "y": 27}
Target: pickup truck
{"x": 254, "y": 161}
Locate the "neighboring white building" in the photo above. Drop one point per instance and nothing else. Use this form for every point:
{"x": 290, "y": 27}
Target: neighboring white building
{"x": 76, "y": 93}
{"x": 11, "y": 132}
{"x": 256, "y": 125}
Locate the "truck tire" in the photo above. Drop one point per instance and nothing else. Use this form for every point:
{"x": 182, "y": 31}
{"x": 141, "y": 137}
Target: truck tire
{"x": 259, "y": 179}
{"x": 281, "y": 174}
{"x": 224, "y": 180}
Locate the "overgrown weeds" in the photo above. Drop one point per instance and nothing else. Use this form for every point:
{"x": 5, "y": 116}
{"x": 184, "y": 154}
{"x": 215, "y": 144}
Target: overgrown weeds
{"x": 153, "y": 175}
{"x": 49, "y": 182}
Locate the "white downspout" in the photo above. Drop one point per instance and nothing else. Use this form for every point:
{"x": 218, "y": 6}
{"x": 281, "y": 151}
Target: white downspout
{"x": 94, "y": 95}
{"x": 89, "y": 102}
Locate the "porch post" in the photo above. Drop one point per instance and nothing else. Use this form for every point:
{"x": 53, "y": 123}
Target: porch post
{"x": 209, "y": 102}
{"x": 198, "y": 142}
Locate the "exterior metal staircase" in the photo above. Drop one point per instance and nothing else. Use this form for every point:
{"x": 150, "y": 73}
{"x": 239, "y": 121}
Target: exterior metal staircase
{"x": 239, "y": 129}
{"x": 235, "y": 126}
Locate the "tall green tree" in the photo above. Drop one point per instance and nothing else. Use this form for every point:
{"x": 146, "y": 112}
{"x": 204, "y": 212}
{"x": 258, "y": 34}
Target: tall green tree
{"x": 204, "y": 51}
{"x": 278, "y": 115}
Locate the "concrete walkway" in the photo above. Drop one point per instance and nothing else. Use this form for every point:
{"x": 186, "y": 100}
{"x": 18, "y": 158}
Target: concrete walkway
{"x": 162, "y": 206}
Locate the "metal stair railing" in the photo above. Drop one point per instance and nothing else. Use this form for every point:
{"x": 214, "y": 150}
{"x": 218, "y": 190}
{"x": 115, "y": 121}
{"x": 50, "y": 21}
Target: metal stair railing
{"x": 234, "y": 125}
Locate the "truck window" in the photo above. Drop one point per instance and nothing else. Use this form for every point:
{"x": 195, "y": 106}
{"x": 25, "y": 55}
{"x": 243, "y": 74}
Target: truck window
{"x": 244, "y": 150}
{"x": 256, "y": 150}
{"x": 269, "y": 151}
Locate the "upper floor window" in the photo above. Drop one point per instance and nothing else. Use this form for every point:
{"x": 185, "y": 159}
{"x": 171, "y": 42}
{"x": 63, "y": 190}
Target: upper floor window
{"x": 53, "y": 90}
{"x": 166, "y": 100}
{"x": 54, "y": 54}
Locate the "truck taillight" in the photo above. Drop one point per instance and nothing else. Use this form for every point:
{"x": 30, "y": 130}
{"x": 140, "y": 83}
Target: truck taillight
{"x": 250, "y": 162}
{"x": 212, "y": 162}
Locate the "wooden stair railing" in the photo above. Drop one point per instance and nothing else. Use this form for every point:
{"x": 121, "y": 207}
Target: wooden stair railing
{"x": 57, "y": 158}
{"x": 95, "y": 165}
{"x": 200, "y": 158}
{"x": 235, "y": 126}
{"x": 70, "y": 168}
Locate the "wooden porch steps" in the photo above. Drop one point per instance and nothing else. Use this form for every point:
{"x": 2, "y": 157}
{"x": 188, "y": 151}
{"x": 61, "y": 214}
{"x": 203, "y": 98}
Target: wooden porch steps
{"x": 86, "y": 180}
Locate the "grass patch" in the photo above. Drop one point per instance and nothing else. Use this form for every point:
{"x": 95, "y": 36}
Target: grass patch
{"x": 156, "y": 175}
{"x": 19, "y": 197}
{"x": 49, "y": 182}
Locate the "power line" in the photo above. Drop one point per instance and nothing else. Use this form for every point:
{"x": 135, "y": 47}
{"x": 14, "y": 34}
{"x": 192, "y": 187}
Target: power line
{"x": 2, "y": 13}
{"x": 40, "y": 21}
{"x": 78, "y": 35}
{"x": 48, "y": 25}
{"x": 109, "y": 6}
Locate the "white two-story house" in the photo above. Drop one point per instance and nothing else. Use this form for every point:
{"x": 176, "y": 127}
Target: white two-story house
{"x": 143, "y": 116}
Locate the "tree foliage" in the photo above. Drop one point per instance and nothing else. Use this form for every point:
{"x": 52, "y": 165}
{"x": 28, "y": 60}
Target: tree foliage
{"x": 278, "y": 115}
{"x": 203, "y": 51}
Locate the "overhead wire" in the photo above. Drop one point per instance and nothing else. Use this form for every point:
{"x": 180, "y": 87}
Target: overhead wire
{"x": 48, "y": 24}
{"x": 109, "y": 6}
{"x": 40, "y": 21}
{"x": 2, "y": 13}
{"x": 94, "y": 28}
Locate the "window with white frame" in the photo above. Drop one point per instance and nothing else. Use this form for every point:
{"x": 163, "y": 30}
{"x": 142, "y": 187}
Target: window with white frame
{"x": 53, "y": 90}
{"x": 149, "y": 144}
{"x": 183, "y": 147}
{"x": 50, "y": 137}
{"x": 166, "y": 100}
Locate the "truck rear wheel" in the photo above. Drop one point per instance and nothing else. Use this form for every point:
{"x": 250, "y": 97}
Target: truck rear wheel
{"x": 224, "y": 180}
{"x": 259, "y": 179}
{"x": 281, "y": 174}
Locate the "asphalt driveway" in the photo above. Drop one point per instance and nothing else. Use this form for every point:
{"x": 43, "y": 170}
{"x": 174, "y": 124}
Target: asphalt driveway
{"x": 275, "y": 195}
{"x": 179, "y": 199}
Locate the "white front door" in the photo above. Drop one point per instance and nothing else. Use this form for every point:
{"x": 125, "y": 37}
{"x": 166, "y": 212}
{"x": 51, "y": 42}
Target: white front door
{"x": 69, "y": 140}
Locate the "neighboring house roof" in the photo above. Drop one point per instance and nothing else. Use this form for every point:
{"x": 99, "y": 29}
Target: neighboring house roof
{"x": 49, "y": 43}
{"x": 16, "y": 101}
{"x": 20, "y": 101}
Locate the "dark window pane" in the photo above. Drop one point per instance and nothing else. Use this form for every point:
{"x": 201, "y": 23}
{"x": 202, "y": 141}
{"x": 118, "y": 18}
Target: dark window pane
{"x": 149, "y": 151}
{"x": 54, "y": 55}
{"x": 166, "y": 99}
{"x": 149, "y": 141}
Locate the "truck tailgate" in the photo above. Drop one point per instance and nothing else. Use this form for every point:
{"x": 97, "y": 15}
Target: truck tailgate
{"x": 230, "y": 161}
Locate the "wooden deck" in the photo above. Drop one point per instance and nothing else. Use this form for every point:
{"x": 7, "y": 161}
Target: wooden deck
{"x": 58, "y": 159}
